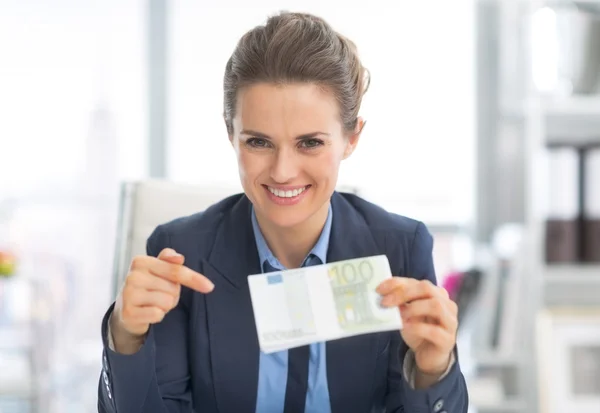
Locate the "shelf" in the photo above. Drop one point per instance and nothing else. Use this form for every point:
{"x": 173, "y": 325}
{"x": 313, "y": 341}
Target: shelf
{"x": 561, "y": 132}
{"x": 573, "y": 272}
{"x": 577, "y": 285}
{"x": 572, "y": 120}
{"x": 583, "y": 105}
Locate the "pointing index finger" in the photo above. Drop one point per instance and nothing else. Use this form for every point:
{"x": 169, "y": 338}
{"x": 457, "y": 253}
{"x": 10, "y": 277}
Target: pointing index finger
{"x": 194, "y": 280}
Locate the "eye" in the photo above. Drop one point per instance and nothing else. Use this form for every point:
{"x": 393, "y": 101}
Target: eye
{"x": 257, "y": 143}
{"x": 311, "y": 143}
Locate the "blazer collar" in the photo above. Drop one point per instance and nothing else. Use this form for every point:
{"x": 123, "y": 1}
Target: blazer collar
{"x": 235, "y": 254}
{"x": 350, "y": 235}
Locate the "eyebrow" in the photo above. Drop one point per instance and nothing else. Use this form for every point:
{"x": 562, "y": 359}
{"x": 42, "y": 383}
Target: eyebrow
{"x": 300, "y": 137}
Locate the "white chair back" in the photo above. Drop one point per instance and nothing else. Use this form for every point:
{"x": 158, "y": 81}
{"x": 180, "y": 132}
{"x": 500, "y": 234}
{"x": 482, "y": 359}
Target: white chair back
{"x": 145, "y": 205}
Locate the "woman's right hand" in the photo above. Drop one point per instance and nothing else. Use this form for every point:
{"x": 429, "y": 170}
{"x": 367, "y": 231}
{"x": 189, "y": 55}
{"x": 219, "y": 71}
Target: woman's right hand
{"x": 150, "y": 291}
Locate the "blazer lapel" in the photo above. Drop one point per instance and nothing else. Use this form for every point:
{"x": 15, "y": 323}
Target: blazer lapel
{"x": 232, "y": 333}
{"x": 350, "y": 361}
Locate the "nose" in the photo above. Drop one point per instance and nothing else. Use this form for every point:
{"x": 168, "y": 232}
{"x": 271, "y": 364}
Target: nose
{"x": 285, "y": 166}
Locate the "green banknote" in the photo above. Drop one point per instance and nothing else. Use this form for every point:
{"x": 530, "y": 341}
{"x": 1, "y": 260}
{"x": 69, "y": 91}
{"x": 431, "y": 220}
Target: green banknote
{"x": 324, "y": 302}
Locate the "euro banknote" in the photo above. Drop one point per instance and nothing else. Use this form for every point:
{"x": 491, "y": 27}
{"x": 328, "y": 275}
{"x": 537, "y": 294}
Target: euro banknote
{"x": 297, "y": 307}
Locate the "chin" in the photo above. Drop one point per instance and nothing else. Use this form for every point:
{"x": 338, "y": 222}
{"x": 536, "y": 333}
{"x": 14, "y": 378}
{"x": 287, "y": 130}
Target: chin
{"x": 291, "y": 217}
{"x": 285, "y": 218}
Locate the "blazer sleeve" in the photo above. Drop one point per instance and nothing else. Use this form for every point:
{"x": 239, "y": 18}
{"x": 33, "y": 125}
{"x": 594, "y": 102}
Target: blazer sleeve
{"x": 156, "y": 379}
{"x": 450, "y": 393}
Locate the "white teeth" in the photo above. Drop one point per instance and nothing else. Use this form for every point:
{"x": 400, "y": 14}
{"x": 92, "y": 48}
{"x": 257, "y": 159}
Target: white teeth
{"x": 286, "y": 194}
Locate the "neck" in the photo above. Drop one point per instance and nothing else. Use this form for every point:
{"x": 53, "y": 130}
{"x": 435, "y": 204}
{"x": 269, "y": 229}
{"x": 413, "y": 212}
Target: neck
{"x": 291, "y": 245}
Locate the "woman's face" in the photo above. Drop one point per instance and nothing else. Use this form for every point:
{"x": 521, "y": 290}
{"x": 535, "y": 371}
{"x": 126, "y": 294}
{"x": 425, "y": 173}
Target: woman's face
{"x": 289, "y": 143}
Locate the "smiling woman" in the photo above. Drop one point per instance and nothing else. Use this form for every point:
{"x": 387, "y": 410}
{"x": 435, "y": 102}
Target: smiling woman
{"x": 187, "y": 338}
{"x": 291, "y": 99}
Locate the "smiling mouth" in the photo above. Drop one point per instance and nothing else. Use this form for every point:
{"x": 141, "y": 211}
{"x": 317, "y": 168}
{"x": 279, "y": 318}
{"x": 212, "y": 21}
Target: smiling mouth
{"x": 291, "y": 193}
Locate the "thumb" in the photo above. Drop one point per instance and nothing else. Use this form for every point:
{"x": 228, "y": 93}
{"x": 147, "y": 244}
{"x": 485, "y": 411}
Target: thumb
{"x": 171, "y": 256}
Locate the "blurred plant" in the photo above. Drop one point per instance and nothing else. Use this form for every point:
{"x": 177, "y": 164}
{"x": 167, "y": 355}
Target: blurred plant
{"x": 8, "y": 264}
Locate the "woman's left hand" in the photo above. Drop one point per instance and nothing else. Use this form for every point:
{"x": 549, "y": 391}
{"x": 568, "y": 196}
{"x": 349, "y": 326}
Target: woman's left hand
{"x": 429, "y": 319}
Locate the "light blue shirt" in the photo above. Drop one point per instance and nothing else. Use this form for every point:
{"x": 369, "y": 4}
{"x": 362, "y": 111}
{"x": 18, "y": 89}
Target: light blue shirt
{"x": 273, "y": 368}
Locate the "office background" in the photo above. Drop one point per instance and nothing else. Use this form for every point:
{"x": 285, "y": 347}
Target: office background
{"x": 103, "y": 101}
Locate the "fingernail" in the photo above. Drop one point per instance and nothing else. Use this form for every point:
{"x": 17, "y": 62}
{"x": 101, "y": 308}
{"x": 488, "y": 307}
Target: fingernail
{"x": 208, "y": 285}
{"x": 381, "y": 287}
{"x": 172, "y": 253}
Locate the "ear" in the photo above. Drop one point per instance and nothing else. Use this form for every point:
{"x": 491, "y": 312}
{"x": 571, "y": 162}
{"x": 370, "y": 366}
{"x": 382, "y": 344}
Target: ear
{"x": 354, "y": 137}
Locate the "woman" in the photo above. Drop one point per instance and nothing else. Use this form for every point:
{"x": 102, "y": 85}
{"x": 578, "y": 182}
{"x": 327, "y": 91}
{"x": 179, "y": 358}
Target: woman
{"x": 181, "y": 337}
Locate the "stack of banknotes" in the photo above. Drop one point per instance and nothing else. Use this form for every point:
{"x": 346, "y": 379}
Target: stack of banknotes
{"x": 325, "y": 302}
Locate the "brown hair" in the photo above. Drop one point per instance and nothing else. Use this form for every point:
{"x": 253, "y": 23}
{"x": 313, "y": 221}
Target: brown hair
{"x": 297, "y": 47}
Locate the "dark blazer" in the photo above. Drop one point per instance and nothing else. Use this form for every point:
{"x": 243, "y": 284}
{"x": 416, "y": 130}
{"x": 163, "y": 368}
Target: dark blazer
{"x": 203, "y": 356}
